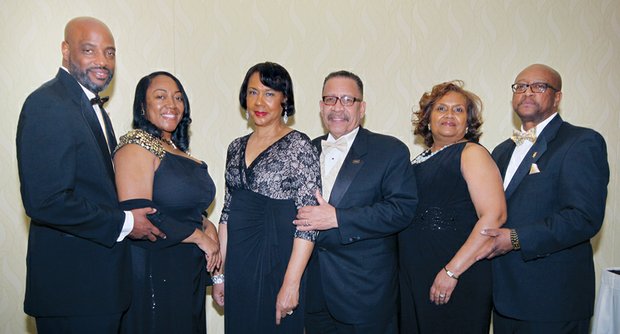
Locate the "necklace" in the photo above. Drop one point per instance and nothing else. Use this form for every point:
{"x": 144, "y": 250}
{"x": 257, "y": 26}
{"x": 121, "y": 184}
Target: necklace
{"x": 427, "y": 154}
{"x": 169, "y": 142}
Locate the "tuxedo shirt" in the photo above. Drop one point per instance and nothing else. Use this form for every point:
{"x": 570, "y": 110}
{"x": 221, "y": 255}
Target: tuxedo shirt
{"x": 331, "y": 161}
{"x": 521, "y": 151}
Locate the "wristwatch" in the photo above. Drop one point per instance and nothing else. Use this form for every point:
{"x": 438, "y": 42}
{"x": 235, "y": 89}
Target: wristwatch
{"x": 514, "y": 240}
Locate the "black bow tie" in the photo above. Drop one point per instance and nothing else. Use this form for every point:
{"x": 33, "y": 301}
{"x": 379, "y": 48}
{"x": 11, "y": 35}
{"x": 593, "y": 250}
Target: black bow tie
{"x": 99, "y": 100}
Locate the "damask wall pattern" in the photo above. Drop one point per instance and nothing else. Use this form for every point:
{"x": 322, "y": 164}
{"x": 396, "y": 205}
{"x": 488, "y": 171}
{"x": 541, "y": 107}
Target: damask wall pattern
{"x": 400, "y": 48}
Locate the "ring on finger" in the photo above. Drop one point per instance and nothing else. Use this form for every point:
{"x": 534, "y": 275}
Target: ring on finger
{"x": 289, "y": 312}
{"x": 441, "y": 295}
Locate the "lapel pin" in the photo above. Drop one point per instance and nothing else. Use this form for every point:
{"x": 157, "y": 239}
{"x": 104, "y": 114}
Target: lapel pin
{"x": 356, "y": 161}
{"x": 534, "y": 155}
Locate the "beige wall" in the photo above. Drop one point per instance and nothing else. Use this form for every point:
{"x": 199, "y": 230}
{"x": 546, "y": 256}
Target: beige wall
{"x": 400, "y": 49}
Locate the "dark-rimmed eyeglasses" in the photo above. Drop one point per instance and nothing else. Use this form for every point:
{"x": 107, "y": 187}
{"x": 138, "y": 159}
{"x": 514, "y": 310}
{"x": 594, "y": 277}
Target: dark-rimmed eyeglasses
{"x": 537, "y": 87}
{"x": 345, "y": 100}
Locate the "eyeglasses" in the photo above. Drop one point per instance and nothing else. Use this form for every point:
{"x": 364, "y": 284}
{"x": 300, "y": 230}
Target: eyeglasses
{"x": 345, "y": 100}
{"x": 537, "y": 87}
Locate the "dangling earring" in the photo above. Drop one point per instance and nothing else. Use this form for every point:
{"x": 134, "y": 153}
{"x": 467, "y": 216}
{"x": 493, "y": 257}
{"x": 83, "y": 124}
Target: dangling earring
{"x": 142, "y": 111}
{"x": 429, "y": 126}
{"x": 247, "y": 114}
{"x": 285, "y": 116}
{"x": 467, "y": 130}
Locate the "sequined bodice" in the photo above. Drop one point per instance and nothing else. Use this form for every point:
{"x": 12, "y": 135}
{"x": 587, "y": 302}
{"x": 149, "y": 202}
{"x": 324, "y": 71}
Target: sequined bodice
{"x": 444, "y": 201}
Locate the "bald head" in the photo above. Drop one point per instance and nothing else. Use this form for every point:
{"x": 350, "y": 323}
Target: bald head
{"x": 78, "y": 24}
{"x": 554, "y": 78}
{"x": 89, "y": 53}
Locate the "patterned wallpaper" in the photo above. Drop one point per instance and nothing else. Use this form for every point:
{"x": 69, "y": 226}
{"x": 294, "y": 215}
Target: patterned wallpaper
{"x": 400, "y": 49}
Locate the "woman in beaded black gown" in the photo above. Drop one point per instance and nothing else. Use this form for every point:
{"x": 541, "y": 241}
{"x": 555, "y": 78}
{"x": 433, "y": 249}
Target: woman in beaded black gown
{"x": 153, "y": 169}
{"x": 270, "y": 173}
{"x": 444, "y": 288}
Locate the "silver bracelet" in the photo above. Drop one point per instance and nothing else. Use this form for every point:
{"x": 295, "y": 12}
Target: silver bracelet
{"x": 217, "y": 279}
{"x": 450, "y": 273}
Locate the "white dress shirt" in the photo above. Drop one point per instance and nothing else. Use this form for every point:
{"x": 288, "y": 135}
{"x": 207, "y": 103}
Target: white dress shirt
{"x": 331, "y": 161}
{"x": 521, "y": 150}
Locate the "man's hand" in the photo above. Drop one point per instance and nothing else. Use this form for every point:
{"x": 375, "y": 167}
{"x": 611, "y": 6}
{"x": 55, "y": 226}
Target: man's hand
{"x": 501, "y": 243}
{"x": 316, "y": 218}
{"x": 142, "y": 227}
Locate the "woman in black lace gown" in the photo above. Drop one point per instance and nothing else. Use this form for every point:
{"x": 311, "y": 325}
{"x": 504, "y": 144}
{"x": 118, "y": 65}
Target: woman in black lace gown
{"x": 153, "y": 169}
{"x": 270, "y": 173}
{"x": 444, "y": 289}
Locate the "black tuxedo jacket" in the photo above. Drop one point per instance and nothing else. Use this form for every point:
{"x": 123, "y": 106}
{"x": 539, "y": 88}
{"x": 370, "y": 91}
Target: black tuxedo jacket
{"x": 74, "y": 264}
{"x": 556, "y": 203}
{"x": 354, "y": 268}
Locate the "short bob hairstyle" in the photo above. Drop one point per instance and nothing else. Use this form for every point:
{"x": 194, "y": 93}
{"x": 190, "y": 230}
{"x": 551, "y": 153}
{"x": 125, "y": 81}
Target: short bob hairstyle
{"x": 180, "y": 136}
{"x": 428, "y": 101}
{"x": 275, "y": 77}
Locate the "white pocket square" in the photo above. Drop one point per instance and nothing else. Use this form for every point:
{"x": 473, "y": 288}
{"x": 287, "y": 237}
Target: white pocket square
{"x": 534, "y": 169}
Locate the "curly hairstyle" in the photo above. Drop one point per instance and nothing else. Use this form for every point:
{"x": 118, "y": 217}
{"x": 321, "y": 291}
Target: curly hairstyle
{"x": 274, "y": 76}
{"x": 180, "y": 136}
{"x": 427, "y": 103}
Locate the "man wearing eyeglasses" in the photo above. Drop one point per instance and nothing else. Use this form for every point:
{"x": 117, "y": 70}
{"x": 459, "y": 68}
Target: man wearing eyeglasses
{"x": 555, "y": 179}
{"x": 369, "y": 194}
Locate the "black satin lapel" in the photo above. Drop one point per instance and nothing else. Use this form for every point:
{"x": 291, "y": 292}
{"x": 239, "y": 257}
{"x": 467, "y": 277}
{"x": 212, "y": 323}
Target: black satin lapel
{"x": 504, "y": 159}
{"x": 524, "y": 168}
{"x": 352, "y": 164}
{"x": 110, "y": 130}
{"x": 350, "y": 167}
{"x": 95, "y": 127}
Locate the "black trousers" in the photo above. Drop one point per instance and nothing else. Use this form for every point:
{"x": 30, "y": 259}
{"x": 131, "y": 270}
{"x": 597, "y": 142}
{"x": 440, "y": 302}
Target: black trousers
{"x": 506, "y": 325}
{"x": 96, "y": 324}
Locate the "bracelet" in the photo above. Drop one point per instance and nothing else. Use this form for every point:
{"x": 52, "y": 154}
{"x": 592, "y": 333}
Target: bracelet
{"x": 217, "y": 279}
{"x": 514, "y": 239}
{"x": 450, "y": 274}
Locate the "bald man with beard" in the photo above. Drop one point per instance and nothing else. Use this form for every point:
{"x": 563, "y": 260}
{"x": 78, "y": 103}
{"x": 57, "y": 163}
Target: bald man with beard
{"x": 78, "y": 262}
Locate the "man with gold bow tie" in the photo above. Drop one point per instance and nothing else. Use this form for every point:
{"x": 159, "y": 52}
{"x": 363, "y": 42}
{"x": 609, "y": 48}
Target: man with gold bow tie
{"x": 555, "y": 179}
{"x": 369, "y": 195}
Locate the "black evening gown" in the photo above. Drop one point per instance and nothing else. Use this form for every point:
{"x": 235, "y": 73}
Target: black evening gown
{"x": 169, "y": 277}
{"x": 260, "y": 205}
{"x": 445, "y": 217}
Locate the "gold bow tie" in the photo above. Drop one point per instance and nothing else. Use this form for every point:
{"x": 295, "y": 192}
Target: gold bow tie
{"x": 520, "y": 136}
{"x": 340, "y": 145}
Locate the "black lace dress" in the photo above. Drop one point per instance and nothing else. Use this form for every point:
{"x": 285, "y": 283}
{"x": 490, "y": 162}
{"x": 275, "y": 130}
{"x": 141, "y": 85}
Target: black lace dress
{"x": 260, "y": 204}
{"x": 445, "y": 217}
{"x": 169, "y": 277}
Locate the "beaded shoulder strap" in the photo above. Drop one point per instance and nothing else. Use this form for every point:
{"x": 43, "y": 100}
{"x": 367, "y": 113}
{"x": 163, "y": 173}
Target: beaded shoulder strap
{"x": 145, "y": 140}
